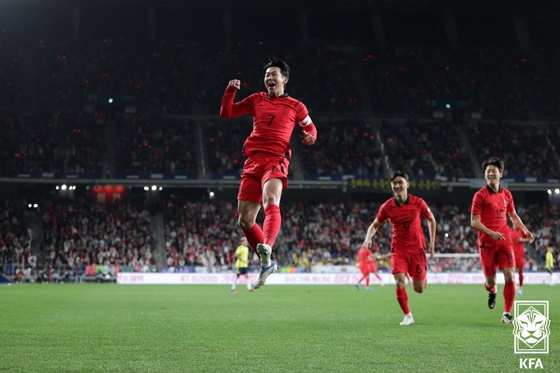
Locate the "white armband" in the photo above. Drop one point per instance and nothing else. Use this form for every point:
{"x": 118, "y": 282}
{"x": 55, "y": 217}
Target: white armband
{"x": 305, "y": 121}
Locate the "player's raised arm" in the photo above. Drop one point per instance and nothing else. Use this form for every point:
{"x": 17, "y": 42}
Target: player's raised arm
{"x": 228, "y": 109}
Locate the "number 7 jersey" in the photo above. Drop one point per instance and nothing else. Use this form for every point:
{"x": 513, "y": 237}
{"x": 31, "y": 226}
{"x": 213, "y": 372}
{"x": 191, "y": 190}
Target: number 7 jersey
{"x": 274, "y": 120}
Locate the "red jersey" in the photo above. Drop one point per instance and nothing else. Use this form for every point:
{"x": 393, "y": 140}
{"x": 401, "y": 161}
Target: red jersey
{"x": 518, "y": 247}
{"x": 365, "y": 256}
{"x": 492, "y": 208}
{"x": 405, "y": 219}
{"x": 274, "y": 119}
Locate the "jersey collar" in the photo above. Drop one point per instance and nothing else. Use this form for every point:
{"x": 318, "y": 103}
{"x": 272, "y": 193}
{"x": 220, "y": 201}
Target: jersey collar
{"x": 268, "y": 95}
{"x": 492, "y": 190}
{"x": 406, "y": 201}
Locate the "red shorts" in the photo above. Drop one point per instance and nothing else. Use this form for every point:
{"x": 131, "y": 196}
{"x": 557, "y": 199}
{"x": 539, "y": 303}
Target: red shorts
{"x": 415, "y": 264}
{"x": 367, "y": 268}
{"x": 499, "y": 255}
{"x": 519, "y": 260}
{"x": 257, "y": 170}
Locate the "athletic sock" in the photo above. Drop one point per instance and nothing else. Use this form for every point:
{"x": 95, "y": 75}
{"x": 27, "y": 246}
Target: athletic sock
{"x": 255, "y": 236}
{"x": 509, "y": 295}
{"x": 521, "y": 280}
{"x": 492, "y": 290}
{"x": 271, "y": 225}
{"x": 402, "y": 298}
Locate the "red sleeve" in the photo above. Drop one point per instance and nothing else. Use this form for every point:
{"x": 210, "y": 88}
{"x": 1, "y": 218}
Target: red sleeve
{"x": 511, "y": 205}
{"x": 305, "y": 121}
{"x": 476, "y": 207}
{"x": 228, "y": 109}
{"x": 425, "y": 209}
{"x": 382, "y": 214}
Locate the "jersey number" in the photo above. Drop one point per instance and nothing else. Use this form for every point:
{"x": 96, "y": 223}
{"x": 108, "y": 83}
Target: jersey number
{"x": 272, "y": 116}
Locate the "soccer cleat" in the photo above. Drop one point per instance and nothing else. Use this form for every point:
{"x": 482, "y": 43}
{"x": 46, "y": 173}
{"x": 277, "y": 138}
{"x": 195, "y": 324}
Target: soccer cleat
{"x": 368, "y": 288}
{"x": 408, "y": 319}
{"x": 506, "y": 318}
{"x": 492, "y": 299}
{"x": 265, "y": 272}
{"x": 234, "y": 290}
{"x": 519, "y": 291}
{"x": 252, "y": 291}
{"x": 264, "y": 251}
{"x": 357, "y": 286}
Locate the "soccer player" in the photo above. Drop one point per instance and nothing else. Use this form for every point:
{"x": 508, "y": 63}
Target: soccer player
{"x": 265, "y": 171}
{"x": 366, "y": 263}
{"x": 518, "y": 240}
{"x": 408, "y": 244}
{"x": 550, "y": 263}
{"x": 490, "y": 207}
{"x": 242, "y": 265}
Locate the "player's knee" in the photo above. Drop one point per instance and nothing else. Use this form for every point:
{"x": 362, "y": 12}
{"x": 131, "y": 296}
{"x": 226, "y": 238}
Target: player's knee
{"x": 245, "y": 224}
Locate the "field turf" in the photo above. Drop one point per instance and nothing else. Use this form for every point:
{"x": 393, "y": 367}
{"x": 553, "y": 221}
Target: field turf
{"x": 206, "y": 328}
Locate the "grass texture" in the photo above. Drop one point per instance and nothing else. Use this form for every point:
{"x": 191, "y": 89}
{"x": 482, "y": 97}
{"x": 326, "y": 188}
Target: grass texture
{"x": 206, "y": 328}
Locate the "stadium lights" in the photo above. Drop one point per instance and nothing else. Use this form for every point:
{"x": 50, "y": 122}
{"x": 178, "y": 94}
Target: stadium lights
{"x": 33, "y": 206}
{"x": 152, "y": 188}
{"x": 65, "y": 187}
{"x": 557, "y": 191}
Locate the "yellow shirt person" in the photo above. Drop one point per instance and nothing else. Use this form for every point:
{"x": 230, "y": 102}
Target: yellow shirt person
{"x": 550, "y": 263}
{"x": 242, "y": 265}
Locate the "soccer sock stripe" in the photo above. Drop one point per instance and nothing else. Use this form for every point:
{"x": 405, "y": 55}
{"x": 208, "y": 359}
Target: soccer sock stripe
{"x": 271, "y": 225}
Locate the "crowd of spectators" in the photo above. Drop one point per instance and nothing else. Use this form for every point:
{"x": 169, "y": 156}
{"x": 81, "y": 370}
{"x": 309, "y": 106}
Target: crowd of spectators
{"x": 114, "y": 107}
{"x": 62, "y": 98}
{"x": 84, "y": 237}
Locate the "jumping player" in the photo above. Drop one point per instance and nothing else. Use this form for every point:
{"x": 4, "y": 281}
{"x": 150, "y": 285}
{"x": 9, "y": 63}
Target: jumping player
{"x": 265, "y": 171}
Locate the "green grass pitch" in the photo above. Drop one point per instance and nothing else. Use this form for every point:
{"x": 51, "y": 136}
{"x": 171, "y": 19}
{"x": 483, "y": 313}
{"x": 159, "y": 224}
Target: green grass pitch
{"x": 206, "y": 328}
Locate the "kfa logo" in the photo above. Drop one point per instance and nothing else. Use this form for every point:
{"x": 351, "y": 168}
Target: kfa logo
{"x": 530, "y": 363}
{"x": 531, "y": 327}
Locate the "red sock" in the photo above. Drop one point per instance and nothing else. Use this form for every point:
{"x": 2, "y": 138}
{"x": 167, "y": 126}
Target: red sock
{"x": 367, "y": 281}
{"x": 378, "y": 277}
{"x": 254, "y": 236}
{"x": 492, "y": 290}
{"x": 521, "y": 280}
{"x": 509, "y": 295}
{"x": 361, "y": 279}
{"x": 402, "y": 298}
{"x": 271, "y": 226}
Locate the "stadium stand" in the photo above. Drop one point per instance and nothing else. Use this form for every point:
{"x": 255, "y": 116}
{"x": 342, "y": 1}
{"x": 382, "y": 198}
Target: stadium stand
{"x": 140, "y": 107}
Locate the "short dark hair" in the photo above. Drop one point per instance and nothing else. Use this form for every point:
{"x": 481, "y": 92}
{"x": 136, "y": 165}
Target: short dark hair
{"x": 276, "y": 62}
{"x": 398, "y": 173}
{"x": 493, "y": 161}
